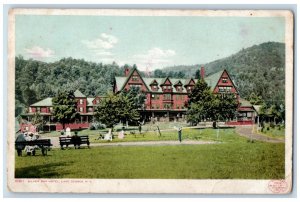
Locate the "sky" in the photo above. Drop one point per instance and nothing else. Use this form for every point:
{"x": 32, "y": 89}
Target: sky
{"x": 149, "y": 42}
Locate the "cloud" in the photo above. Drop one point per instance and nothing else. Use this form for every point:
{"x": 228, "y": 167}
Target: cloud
{"x": 37, "y": 52}
{"x": 102, "y": 44}
{"x": 154, "y": 58}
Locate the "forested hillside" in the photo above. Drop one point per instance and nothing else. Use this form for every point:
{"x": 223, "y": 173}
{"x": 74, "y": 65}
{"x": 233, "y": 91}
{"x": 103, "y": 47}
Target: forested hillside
{"x": 259, "y": 69}
{"x": 37, "y": 80}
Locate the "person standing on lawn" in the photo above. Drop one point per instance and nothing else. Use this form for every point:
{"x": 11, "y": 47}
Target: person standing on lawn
{"x": 140, "y": 128}
{"x": 179, "y": 129}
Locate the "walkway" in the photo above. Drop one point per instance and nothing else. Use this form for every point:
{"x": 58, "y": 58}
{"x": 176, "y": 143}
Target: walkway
{"x": 247, "y": 131}
{"x": 55, "y": 142}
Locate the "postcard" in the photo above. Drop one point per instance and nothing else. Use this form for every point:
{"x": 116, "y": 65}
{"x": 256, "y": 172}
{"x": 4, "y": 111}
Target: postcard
{"x": 150, "y": 101}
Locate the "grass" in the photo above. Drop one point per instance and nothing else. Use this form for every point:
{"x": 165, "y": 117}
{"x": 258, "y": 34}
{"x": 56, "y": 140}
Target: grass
{"x": 146, "y": 128}
{"x": 274, "y": 132}
{"x": 234, "y": 158}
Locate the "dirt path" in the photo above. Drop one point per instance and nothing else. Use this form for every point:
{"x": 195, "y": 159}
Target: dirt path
{"x": 55, "y": 142}
{"x": 247, "y": 131}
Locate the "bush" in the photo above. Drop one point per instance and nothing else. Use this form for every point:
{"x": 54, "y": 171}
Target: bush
{"x": 279, "y": 127}
{"x": 272, "y": 125}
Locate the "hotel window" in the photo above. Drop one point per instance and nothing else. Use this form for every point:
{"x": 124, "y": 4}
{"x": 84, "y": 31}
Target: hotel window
{"x": 169, "y": 87}
{"x": 51, "y": 109}
{"x": 38, "y": 109}
{"x": 167, "y": 106}
{"x": 179, "y": 88}
{"x": 81, "y": 101}
{"x": 167, "y": 96}
{"x": 135, "y": 78}
{"x": 80, "y": 109}
{"x": 135, "y": 86}
{"x": 224, "y": 80}
{"x": 228, "y": 88}
{"x": 30, "y": 110}
{"x": 154, "y": 88}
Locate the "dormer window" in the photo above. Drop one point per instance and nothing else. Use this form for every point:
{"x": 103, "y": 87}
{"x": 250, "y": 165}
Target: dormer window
{"x": 154, "y": 88}
{"x": 224, "y": 80}
{"x": 135, "y": 78}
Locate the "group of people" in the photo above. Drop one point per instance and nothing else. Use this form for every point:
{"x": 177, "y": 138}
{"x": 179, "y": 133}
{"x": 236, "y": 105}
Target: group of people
{"x": 26, "y": 136}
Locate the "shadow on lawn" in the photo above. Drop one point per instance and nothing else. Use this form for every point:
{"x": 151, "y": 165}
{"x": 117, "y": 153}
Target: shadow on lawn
{"x": 49, "y": 170}
{"x": 221, "y": 127}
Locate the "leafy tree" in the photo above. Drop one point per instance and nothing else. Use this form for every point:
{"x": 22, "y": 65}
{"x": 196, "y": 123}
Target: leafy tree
{"x": 180, "y": 75}
{"x": 227, "y": 105}
{"x": 200, "y": 102}
{"x": 37, "y": 121}
{"x": 255, "y": 99}
{"x": 203, "y": 104}
{"x": 136, "y": 97}
{"x": 64, "y": 107}
{"x": 197, "y": 74}
{"x": 274, "y": 112}
{"x": 115, "y": 109}
{"x": 29, "y": 96}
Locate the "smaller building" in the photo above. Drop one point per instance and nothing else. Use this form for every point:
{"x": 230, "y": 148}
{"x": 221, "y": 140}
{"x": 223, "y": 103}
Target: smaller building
{"x": 85, "y": 107}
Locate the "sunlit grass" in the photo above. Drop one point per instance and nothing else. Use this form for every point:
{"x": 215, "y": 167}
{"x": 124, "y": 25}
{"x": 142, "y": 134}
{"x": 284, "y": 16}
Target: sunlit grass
{"x": 234, "y": 158}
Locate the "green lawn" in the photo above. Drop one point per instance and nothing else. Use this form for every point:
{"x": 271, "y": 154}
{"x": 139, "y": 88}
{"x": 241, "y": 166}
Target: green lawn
{"x": 274, "y": 132}
{"x": 233, "y": 158}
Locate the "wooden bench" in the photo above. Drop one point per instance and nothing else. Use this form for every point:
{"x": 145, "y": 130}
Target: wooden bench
{"x": 43, "y": 144}
{"x": 74, "y": 140}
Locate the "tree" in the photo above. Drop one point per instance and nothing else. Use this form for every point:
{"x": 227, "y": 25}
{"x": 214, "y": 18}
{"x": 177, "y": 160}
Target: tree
{"x": 197, "y": 74}
{"x": 136, "y": 97}
{"x": 29, "y": 96}
{"x": 255, "y": 99}
{"x": 203, "y": 104}
{"x": 64, "y": 107}
{"x": 274, "y": 112}
{"x": 115, "y": 109}
{"x": 226, "y": 106}
{"x": 37, "y": 121}
{"x": 200, "y": 103}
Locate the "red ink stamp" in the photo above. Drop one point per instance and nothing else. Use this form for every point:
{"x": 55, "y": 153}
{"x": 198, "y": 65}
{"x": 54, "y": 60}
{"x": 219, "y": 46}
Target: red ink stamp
{"x": 278, "y": 186}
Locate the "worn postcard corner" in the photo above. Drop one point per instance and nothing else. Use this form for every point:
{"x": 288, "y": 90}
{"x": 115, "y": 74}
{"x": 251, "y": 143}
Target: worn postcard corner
{"x": 150, "y": 101}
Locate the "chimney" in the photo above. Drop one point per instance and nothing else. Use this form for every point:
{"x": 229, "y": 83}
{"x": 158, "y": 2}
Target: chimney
{"x": 126, "y": 71}
{"x": 202, "y": 72}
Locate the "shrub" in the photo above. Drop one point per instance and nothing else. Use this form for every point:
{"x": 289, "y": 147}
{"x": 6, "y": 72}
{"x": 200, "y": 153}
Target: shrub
{"x": 272, "y": 125}
{"x": 279, "y": 127}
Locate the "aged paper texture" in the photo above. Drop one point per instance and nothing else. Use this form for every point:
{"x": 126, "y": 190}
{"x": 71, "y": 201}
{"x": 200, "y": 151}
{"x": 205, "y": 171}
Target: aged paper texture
{"x": 21, "y": 170}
